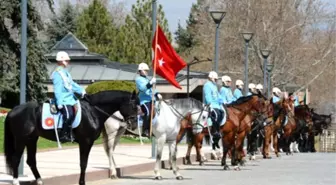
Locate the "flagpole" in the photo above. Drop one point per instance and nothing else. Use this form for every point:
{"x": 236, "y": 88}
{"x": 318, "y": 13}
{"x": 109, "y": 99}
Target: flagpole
{"x": 154, "y": 75}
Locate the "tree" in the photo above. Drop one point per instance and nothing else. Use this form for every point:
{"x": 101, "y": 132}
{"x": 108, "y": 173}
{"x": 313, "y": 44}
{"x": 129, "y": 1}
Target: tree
{"x": 61, "y": 24}
{"x": 136, "y": 35}
{"x": 290, "y": 29}
{"x": 10, "y": 52}
{"x": 96, "y": 29}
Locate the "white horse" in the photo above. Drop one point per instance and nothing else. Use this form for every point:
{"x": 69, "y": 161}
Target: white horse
{"x": 166, "y": 126}
{"x": 115, "y": 127}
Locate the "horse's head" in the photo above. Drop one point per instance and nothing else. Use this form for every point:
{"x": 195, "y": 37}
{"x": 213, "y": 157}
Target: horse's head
{"x": 129, "y": 110}
{"x": 287, "y": 104}
{"x": 304, "y": 113}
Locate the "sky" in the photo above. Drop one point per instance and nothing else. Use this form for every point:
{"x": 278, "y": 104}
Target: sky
{"x": 174, "y": 10}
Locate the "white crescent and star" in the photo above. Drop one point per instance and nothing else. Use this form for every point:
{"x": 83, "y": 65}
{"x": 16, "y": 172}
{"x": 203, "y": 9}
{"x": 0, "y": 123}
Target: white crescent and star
{"x": 161, "y": 62}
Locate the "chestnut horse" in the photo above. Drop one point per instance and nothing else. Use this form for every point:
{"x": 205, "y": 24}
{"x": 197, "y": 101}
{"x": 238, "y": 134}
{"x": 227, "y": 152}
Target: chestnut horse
{"x": 231, "y": 134}
{"x": 271, "y": 130}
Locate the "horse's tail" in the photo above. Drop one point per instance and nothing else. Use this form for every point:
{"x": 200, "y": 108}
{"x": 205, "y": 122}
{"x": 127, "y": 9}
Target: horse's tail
{"x": 9, "y": 145}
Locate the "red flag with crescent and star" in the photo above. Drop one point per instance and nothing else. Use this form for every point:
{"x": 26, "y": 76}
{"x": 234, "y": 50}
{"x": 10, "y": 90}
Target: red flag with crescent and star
{"x": 167, "y": 62}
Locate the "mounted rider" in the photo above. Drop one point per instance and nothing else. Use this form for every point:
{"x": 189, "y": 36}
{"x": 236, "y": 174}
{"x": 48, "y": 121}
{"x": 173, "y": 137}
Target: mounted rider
{"x": 252, "y": 89}
{"x": 276, "y": 94}
{"x": 238, "y": 92}
{"x": 259, "y": 89}
{"x": 212, "y": 98}
{"x": 144, "y": 87}
{"x": 64, "y": 88}
{"x": 225, "y": 91}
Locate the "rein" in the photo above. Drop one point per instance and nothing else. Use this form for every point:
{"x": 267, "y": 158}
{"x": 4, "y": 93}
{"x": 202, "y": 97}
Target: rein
{"x": 182, "y": 116}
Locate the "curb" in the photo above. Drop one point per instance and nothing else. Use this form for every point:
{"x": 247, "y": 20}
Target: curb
{"x": 121, "y": 172}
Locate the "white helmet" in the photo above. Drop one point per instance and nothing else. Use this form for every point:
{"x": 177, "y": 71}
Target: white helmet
{"x": 143, "y": 66}
{"x": 62, "y": 56}
{"x": 251, "y": 86}
{"x": 239, "y": 83}
{"x": 226, "y": 78}
{"x": 213, "y": 75}
{"x": 259, "y": 87}
{"x": 276, "y": 90}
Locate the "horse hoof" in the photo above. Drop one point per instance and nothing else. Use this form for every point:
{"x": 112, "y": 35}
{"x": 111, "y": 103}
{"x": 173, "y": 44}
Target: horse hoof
{"x": 236, "y": 168}
{"x": 278, "y": 155}
{"x": 39, "y": 182}
{"x": 16, "y": 182}
{"x": 171, "y": 168}
{"x": 226, "y": 167}
{"x": 113, "y": 177}
{"x": 179, "y": 178}
{"x": 158, "y": 178}
{"x": 268, "y": 157}
{"x": 189, "y": 163}
{"x": 201, "y": 163}
{"x": 254, "y": 158}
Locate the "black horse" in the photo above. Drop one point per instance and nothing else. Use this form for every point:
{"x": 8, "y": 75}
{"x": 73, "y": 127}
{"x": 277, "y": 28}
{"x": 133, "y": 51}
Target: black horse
{"x": 23, "y": 127}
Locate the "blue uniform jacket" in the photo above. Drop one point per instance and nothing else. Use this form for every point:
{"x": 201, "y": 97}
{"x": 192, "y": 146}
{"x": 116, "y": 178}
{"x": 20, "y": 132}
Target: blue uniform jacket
{"x": 275, "y": 99}
{"x": 226, "y": 94}
{"x": 237, "y": 93}
{"x": 211, "y": 95}
{"x": 296, "y": 102}
{"x": 64, "y": 87}
{"x": 145, "y": 94}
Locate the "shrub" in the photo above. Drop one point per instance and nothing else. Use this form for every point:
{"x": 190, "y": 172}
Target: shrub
{"x": 110, "y": 85}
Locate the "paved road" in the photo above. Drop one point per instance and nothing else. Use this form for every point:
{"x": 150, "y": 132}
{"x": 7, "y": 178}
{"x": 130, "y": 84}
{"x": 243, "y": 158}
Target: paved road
{"x": 300, "y": 169}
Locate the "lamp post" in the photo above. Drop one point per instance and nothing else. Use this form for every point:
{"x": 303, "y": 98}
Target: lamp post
{"x": 23, "y": 64}
{"x": 195, "y": 61}
{"x": 265, "y": 53}
{"x": 247, "y": 37}
{"x": 217, "y": 17}
{"x": 269, "y": 71}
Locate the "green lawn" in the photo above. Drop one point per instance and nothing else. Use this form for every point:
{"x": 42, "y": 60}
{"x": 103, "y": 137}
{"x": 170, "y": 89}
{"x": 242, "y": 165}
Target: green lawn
{"x": 46, "y": 144}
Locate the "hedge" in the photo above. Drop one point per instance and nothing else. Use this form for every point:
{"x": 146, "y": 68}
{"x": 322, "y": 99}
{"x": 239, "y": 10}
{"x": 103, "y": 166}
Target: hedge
{"x": 110, "y": 85}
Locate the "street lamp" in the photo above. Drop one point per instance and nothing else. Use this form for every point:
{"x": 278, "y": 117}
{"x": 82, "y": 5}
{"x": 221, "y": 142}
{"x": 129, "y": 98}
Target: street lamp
{"x": 195, "y": 61}
{"x": 265, "y": 53}
{"x": 247, "y": 37}
{"x": 269, "y": 71}
{"x": 217, "y": 17}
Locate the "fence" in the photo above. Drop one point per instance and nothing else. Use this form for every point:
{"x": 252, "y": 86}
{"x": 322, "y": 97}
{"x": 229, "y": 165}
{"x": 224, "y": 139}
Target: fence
{"x": 327, "y": 141}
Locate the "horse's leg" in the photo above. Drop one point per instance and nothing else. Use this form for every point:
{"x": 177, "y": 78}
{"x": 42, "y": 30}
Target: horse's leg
{"x": 198, "y": 145}
{"x": 267, "y": 142}
{"x": 275, "y": 143}
{"x": 31, "y": 158}
{"x": 188, "y": 161}
{"x": 19, "y": 148}
{"x": 160, "y": 144}
{"x": 190, "y": 141}
{"x": 173, "y": 156}
{"x": 240, "y": 148}
{"x": 85, "y": 146}
{"x": 226, "y": 147}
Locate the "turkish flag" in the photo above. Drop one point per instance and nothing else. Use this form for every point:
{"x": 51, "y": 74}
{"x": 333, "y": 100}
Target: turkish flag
{"x": 167, "y": 62}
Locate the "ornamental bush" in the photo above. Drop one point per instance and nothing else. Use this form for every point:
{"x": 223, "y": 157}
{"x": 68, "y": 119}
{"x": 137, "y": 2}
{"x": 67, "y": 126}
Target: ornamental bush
{"x": 110, "y": 85}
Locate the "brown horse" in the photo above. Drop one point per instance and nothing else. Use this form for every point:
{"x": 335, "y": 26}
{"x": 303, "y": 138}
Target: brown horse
{"x": 290, "y": 127}
{"x": 233, "y": 131}
{"x": 231, "y": 134}
{"x": 271, "y": 130}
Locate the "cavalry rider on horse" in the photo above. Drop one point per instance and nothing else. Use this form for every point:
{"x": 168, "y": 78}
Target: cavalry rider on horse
{"x": 276, "y": 94}
{"x": 225, "y": 91}
{"x": 252, "y": 89}
{"x": 259, "y": 89}
{"x": 239, "y": 88}
{"x": 144, "y": 87}
{"x": 212, "y": 98}
{"x": 64, "y": 88}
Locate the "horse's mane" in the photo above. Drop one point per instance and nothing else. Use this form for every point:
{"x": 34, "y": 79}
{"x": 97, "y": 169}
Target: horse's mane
{"x": 185, "y": 102}
{"x": 105, "y": 97}
{"x": 305, "y": 107}
{"x": 242, "y": 99}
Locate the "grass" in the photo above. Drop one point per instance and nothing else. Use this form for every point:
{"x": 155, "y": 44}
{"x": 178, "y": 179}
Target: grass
{"x": 46, "y": 144}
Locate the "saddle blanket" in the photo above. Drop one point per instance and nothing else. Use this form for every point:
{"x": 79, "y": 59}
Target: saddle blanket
{"x": 49, "y": 120}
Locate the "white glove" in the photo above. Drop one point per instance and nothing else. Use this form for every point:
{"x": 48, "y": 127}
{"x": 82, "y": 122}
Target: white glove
{"x": 159, "y": 96}
{"x": 83, "y": 94}
{"x": 60, "y": 106}
{"x": 152, "y": 81}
